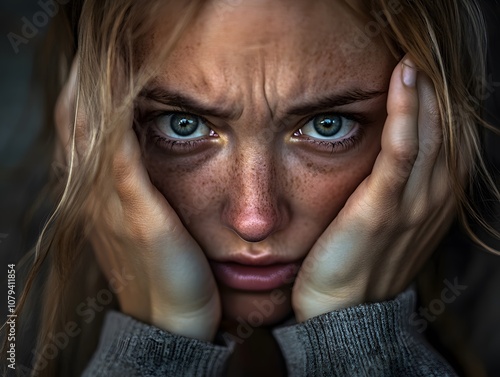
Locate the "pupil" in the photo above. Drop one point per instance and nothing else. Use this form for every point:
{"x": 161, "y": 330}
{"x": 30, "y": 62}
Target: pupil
{"x": 183, "y": 125}
{"x": 327, "y": 125}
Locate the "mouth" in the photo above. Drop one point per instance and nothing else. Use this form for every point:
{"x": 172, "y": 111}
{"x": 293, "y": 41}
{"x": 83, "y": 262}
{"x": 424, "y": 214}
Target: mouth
{"x": 254, "y": 277}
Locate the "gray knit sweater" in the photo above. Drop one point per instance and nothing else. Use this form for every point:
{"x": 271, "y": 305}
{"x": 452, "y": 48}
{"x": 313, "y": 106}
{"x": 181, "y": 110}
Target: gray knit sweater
{"x": 367, "y": 340}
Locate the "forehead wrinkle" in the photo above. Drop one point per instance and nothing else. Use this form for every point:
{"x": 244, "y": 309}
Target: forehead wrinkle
{"x": 337, "y": 71}
{"x": 261, "y": 76}
{"x": 265, "y": 98}
{"x": 208, "y": 87}
{"x": 246, "y": 88}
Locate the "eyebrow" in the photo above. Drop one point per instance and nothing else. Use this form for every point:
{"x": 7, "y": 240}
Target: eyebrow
{"x": 332, "y": 100}
{"x": 186, "y": 103}
{"x": 173, "y": 98}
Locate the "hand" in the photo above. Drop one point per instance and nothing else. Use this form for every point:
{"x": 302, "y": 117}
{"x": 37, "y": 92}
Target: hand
{"x": 136, "y": 230}
{"x": 394, "y": 219}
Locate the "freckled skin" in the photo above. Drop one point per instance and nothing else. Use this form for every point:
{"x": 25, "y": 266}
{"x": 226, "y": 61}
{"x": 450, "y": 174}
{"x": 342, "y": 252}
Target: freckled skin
{"x": 246, "y": 194}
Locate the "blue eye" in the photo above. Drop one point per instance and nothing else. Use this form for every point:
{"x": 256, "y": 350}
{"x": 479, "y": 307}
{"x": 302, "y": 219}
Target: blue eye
{"x": 181, "y": 126}
{"x": 328, "y": 127}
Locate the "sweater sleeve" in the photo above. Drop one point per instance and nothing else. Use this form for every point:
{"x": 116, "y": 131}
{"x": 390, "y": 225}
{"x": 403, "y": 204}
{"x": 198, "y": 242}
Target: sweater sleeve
{"x": 131, "y": 348}
{"x": 367, "y": 340}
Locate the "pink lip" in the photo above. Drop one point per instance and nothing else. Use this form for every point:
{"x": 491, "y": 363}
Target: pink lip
{"x": 254, "y": 277}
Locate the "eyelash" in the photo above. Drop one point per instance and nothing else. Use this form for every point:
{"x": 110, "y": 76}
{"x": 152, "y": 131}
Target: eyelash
{"x": 166, "y": 143}
{"x": 332, "y": 146}
{"x": 339, "y": 145}
{"x": 342, "y": 144}
{"x": 162, "y": 141}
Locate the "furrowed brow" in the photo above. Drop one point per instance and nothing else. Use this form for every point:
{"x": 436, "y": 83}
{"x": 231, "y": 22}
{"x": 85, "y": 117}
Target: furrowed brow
{"x": 334, "y": 100}
{"x": 184, "y": 102}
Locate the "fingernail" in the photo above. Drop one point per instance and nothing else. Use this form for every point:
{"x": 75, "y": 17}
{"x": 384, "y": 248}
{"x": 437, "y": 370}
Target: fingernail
{"x": 409, "y": 73}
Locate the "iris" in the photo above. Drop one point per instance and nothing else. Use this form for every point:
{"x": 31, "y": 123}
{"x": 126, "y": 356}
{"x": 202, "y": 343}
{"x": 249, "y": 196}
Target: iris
{"x": 327, "y": 125}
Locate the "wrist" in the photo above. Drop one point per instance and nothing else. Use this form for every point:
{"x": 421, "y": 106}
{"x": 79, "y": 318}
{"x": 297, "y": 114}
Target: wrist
{"x": 201, "y": 324}
{"x": 312, "y": 303}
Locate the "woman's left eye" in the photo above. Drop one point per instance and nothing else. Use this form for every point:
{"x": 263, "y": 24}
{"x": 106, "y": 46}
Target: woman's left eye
{"x": 181, "y": 126}
{"x": 329, "y": 127}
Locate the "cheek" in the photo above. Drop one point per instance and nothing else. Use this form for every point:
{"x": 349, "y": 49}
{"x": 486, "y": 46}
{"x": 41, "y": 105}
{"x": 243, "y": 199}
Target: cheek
{"x": 192, "y": 188}
{"x": 318, "y": 190}
{"x": 315, "y": 190}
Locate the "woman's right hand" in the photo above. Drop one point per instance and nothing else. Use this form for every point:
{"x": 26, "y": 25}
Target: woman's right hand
{"x": 137, "y": 231}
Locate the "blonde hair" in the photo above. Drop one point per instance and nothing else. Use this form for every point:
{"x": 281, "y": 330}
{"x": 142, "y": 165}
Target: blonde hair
{"x": 446, "y": 40}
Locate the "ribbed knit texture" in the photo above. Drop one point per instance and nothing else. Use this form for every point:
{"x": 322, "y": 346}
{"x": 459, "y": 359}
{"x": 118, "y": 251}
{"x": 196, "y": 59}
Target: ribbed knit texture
{"x": 366, "y": 340}
{"x": 129, "y": 348}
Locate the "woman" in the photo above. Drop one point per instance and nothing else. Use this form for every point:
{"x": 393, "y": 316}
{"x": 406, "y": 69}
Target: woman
{"x": 239, "y": 166}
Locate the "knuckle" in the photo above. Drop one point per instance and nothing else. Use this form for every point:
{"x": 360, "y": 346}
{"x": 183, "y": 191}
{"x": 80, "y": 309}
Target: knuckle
{"x": 429, "y": 101}
{"x": 405, "y": 151}
{"x": 406, "y": 107}
{"x": 434, "y": 116}
{"x": 404, "y": 155}
{"x": 430, "y": 146}
{"x": 418, "y": 214}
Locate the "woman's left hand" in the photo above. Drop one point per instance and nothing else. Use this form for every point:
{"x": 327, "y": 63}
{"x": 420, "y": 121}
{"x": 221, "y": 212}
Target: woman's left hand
{"x": 395, "y": 218}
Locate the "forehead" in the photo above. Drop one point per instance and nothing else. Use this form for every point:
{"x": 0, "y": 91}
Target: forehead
{"x": 288, "y": 48}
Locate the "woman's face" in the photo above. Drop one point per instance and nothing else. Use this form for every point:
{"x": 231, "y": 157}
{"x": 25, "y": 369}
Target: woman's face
{"x": 278, "y": 115}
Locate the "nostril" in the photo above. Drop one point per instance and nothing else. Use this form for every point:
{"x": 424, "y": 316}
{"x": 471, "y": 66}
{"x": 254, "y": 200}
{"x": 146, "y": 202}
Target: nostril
{"x": 254, "y": 229}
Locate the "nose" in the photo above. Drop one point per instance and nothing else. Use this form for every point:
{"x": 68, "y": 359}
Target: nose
{"x": 253, "y": 209}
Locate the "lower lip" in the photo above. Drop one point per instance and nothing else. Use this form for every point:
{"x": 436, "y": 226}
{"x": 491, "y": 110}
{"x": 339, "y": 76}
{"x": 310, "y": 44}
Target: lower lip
{"x": 254, "y": 278}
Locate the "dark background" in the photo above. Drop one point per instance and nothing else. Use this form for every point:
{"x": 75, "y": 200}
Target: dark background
{"x": 477, "y": 309}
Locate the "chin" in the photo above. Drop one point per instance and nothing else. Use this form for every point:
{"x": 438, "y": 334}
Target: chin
{"x": 251, "y": 309}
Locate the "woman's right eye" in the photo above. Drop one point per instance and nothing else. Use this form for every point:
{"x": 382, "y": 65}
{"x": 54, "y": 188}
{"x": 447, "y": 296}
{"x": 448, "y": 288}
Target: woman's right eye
{"x": 181, "y": 126}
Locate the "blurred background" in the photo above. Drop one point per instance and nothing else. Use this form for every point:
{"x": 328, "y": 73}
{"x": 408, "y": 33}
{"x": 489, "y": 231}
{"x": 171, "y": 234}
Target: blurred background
{"x": 473, "y": 319}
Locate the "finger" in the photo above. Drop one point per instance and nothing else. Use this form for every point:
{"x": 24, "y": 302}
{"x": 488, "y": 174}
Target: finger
{"x": 139, "y": 197}
{"x": 166, "y": 243}
{"x": 400, "y": 142}
{"x": 428, "y": 186}
{"x": 430, "y": 134}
